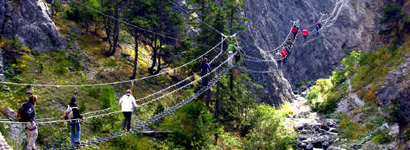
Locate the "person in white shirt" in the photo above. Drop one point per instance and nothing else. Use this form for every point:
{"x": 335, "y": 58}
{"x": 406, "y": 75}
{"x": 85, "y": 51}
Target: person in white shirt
{"x": 127, "y": 103}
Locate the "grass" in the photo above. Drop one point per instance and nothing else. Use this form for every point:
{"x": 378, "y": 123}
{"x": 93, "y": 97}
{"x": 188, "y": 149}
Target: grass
{"x": 374, "y": 67}
{"x": 350, "y": 130}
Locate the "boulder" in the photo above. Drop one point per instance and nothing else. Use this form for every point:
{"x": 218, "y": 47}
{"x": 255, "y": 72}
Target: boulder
{"x": 30, "y": 23}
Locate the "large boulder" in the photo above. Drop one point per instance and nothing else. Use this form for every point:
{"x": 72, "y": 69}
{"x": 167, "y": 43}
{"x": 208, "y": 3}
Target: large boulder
{"x": 269, "y": 23}
{"x": 30, "y": 23}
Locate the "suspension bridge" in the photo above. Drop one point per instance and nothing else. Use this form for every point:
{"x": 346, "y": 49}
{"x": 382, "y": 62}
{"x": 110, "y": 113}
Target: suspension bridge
{"x": 218, "y": 72}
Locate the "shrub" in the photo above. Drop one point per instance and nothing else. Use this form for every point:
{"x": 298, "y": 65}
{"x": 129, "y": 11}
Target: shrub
{"x": 349, "y": 129}
{"x": 330, "y": 103}
{"x": 382, "y": 137}
{"x": 268, "y": 130}
{"x": 57, "y": 7}
{"x": 338, "y": 77}
{"x": 108, "y": 96}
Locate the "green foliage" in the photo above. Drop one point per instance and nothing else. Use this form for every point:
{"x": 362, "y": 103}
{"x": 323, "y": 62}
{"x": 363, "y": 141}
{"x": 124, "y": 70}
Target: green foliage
{"x": 326, "y": 93}
{"x": 373, "y": 67}
{"x": 382, "y": 137}
{"x": 111, "y": 62}
{"x": 349, "y": 129}
{"x": 108, "y": 96}
{"x": 57, "y": 7}
{"x": 237, "y": 103}
{"x": 83, "y": 14}
{"x": 392, "y": 12}
{"x": 193, "y": 127}
{"x": 268, "y": 130}
{"x": 351, "y": 61}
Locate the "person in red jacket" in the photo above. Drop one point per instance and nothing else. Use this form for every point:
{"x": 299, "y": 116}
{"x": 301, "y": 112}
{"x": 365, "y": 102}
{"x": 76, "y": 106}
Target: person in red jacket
{"x": 282, "y": 56}
{"x": 295, "y": 31}
{"x": 305, "y": 33}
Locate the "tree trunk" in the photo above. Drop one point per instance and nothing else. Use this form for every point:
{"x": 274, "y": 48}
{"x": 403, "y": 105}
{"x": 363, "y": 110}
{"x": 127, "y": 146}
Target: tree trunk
{"x": 86, "y": 27}
{"x": 203, "y": 10}
{"x": 116, "y": 31}
{"x": 231, "y": 86}
{"x": 134, "y": 72}
{"x": 231, "y": 21}
{"x": 154, "y": 55}
{"x": 216, "y": 115}
{"x": 114, "y": 35}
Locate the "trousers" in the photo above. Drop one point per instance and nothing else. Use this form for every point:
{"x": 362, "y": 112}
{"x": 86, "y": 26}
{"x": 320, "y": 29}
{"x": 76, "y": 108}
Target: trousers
{"x": 32, "y": 133}
{"x": 127, "y": 120}
{"x": 75, "y": 133}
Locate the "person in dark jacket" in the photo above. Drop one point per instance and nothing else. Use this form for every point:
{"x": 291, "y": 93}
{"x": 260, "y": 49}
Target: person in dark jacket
{"x": 31, "y": 127}
{"x": 205, "y": 69}
{"x": 318, "y": 28}
{"x": 75, "y": 123}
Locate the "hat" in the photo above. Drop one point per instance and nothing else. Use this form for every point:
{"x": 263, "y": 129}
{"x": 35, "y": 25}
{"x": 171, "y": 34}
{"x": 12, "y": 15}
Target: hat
{"x": 129, "y": 91}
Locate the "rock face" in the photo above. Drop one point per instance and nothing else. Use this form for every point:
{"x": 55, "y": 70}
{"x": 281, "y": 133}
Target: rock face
{"x": 269, "y": 24}
{"x": 397, "y": 87}
{"x": 3, "y": 144}
{"x": 30, "y": 23}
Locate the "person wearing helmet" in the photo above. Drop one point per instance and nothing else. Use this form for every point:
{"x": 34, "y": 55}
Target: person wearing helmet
{"x": 318, "y": 28}
{"x": 282, "y": 56}
{"x": 305, "y": 33}
{"x": 295, "y": 30}
{"x": 289, "y": 43}
{"x": 233, "y": 48}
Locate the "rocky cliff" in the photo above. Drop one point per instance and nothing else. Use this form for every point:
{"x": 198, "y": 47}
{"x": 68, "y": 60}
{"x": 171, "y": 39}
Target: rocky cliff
{"x": 30, "y": 23}
{"x": 269, "y": 22}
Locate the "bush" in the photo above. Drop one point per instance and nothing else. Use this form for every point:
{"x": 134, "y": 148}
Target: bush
{"x": 268, "y": 130}
{"x": 338, "y": 77}
{"x": 330, "y": 104}
{"x": 382, "y": 137}
{"x": 349, "y": 129}
{"x": 108, "y": 96}
{"x": 57, "y": 7}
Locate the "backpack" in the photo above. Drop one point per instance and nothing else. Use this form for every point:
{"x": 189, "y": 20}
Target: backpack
{"x": 68, "y": 113}
{"x": 22, "y": 113}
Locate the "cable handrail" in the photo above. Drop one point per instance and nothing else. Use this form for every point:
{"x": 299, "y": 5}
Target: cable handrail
{"x": 116, "y": 112}
{"x": 117, "y": 82}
